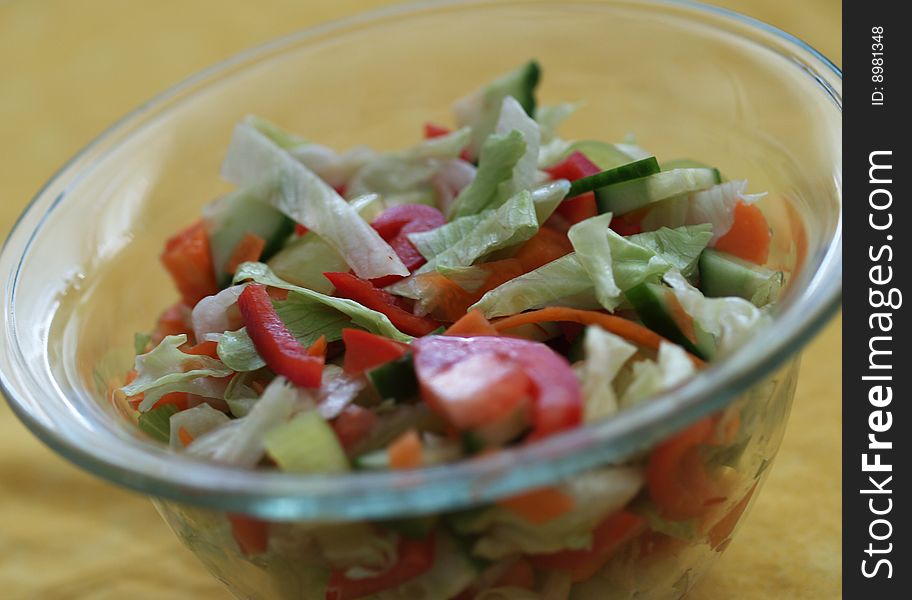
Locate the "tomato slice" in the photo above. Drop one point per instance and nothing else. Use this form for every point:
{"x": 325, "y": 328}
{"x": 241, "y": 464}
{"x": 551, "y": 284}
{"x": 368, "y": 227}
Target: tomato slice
{"x": 415, "y": 558}
{"x": 395, "y": 224}
{"x": 484, "y": 378}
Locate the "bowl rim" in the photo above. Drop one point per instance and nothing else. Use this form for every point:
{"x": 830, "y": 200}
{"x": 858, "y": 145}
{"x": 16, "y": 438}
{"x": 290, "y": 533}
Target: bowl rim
{"x": 281, "y": 496}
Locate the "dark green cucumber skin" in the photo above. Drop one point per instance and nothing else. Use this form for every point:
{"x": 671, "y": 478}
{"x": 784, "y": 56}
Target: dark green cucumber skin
{"x": 649, "y": 301}
{"x": 633, "y": 170}
{"x": 526, "y": 98}
{"x": 722, "y": 274}
{"x": 274, "y": 237}
{"x": 395, "y": 379}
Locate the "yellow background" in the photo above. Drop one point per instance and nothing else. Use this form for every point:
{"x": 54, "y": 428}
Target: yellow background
{"x": 70, "y": 68}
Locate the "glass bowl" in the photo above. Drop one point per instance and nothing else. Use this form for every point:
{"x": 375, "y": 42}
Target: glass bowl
{"x": 80, "y": 271}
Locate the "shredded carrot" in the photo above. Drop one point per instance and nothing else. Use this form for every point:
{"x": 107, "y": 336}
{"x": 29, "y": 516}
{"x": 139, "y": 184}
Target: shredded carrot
{"x": 248, "y": 249}
{"x": 405, "y": 451}
{"x": 188, "y": 259}
{"x": 185, "y": 438}
{"x": 473, "y": 323}
{"x": 545, "y": 246}
{"x": 625, "y": 328}
{"x": 749, "y": 236}
{"x": 318, "y": 348}
{"x": 539, "y": 506}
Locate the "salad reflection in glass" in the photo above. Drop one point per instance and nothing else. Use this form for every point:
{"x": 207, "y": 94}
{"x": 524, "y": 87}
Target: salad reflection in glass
{"x": 490, "y": 286}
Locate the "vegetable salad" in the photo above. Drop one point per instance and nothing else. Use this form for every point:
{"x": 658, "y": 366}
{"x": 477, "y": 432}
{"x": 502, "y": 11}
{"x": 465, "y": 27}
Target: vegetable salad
{"x": 490, "y": 286}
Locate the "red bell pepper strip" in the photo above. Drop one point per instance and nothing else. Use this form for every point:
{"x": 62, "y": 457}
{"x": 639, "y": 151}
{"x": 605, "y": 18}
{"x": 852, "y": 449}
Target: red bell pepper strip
{"x": 623, "y": 225}
{"x": 282, "y": 352}
{"x": 250, "y": 533}
{"x": 189, "y": 261}
{"x": 363, "y": 292}
{"x": 432, "y": 130}
{"x": 395, "y": 223}
{"x": 353, "y": 425}
{"x": 415, "y": 557}
{"x": 364, "y": 351}
{"x": 576, "y": 166}
{"x": 556, "y": 397}
{"x": 607, "y": 539}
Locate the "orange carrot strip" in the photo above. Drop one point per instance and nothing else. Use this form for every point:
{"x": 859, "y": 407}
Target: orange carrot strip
{"x": 473, "y": 323}
{"x": 318, "y": 348}
{"x": 749, "y": 236}
{"x": 405, "y": 451}
{"x": 539, "y": 506}
{"x": 203, "y": 349}
{"x": 248, "y": 249}
{"x": 185, "y": 438}
{"x": 625, "y": 328}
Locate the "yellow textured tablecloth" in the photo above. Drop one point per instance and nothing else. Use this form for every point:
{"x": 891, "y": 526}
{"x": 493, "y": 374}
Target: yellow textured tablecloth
{"x": 70, "y": 68}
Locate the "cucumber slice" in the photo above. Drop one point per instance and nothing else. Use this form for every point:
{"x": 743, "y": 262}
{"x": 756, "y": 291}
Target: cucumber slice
{"x": 232, "y": 216}
{"x": 659, "y": 309}
{"x": 306, "y": 444}
{"x": 628, "y": 196}
{"x": 722, "y": 274}
{"x": 481, "y": 109}
{"x": 603, "y": 154}
{"x": 687, "y": 163}
{"x": 625, "y": 172}
{"x": 395, "y": 379}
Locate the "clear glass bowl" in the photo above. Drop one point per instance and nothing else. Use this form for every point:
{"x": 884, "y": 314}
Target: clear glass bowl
{"x": 80, "y": 271}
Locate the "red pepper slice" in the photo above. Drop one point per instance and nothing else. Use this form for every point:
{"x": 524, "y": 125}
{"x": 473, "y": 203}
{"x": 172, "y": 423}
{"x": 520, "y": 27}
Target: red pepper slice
{"x": 363, "y": 292}
{"x": 607, "y": 538}
{"x": 189, "y": 261}
{"x": 433, "y": 130}
{"x": 557, "y": 401}
{"x": 395, "y": 223}
{"x": 250, "y": 533}
{"x": 415, "y": 557}
{"x": 576, "y": 166}
{"x": 282, "y": 352}
{"x": 364, "y": 351}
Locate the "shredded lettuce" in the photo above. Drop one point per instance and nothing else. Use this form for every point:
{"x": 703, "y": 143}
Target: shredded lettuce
{"x": 606, "y": 354}
{"x": 715, "y": 206}
{"x": 360, "y": 316}
{"x": 303, "y": 262}
{"x": 563, "y": 282}
{"x": 434, "y": 242}
{"x": 548, "y": 197}
{"x": 453, "y": 571}
{"x": 508, "y": 593}
{"x": 303, "y": 196}
{"x": 651, "y": 377}
{"x": 617, "y": 263}
{"x": 596, "y": 494}
{"x": 730, "y": 320}
{"x": 166, "y": 369}
{"x": 514, "y": 118}
{"x": 278, "y": 135}
{"x": 496, "y": 162}
{"x": 336, "y": 169}
{"x": 217, "y": 313}
{"x": 337, "y": 390}
{"x": 195, "y": 421}
{"x": 241, "y": 442}
{"x": 156, "y": 422}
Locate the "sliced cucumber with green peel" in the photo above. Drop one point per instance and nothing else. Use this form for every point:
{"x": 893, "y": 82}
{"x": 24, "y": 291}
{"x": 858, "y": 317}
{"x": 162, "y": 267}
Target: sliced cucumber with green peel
{"x": 722, "y": 274}
{"x": 232, "y": 216}
{"x": 395, "y": 379}
{"x": 628, "y": 196}
{"x": 659, "y": 310}
{"x": 481, "y": 109}
{"x": 688, "y": 163}
{"x": 603, "y": 154}
{"x": 632, "y": 170}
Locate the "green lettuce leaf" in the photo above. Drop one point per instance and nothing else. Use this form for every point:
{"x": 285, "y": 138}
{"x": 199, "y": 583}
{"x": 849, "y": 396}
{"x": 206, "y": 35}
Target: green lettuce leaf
{"x": 514, "y": 118}
{"x": 303, "y": 196}
{"x": 731, "y": 321}
{"x": 166, "y": 369}
{"x": 563, "y": 282}
{"x": 549, "y": 117}
{"x": 596, "y": 494}
{"x": 195, "y": 421}
{"x": 652, "y": 377}
{"x": 499, "y": 156}
{"x": 434, "y": 242}
{"x": 606, "y": 354}
{"x": 680, "y": 248}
